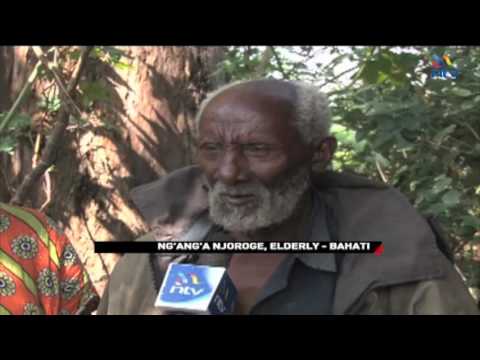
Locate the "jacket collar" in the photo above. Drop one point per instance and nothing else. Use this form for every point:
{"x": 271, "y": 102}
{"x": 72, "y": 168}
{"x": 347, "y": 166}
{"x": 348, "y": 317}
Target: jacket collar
{"x": 362, "y": 211}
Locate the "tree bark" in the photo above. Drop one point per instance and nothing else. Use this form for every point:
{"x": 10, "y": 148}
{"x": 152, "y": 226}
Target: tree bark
{"x": 142, "y": 132}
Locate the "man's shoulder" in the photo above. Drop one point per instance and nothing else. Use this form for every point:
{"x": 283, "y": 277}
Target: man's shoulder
{"x": 173, "y": 200}
{"x": 345, "y": 180}
{"x": 365, "y": 211}
{"x": 355, "y": 191}
{"x": 447, "y": 295}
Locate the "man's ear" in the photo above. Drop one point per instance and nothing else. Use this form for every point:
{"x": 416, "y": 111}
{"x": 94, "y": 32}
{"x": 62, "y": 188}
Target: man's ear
{"x": 323, "y": 153}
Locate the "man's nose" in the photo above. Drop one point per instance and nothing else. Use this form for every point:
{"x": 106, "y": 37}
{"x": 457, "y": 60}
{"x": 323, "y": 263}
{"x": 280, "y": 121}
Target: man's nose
{"x": 232, "y": 169}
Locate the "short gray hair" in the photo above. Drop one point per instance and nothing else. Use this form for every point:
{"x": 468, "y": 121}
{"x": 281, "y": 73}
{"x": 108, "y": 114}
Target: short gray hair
{"x": 312, "y": 120}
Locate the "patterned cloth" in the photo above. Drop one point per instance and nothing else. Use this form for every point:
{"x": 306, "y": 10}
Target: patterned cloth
{"x": 40, "y": 272}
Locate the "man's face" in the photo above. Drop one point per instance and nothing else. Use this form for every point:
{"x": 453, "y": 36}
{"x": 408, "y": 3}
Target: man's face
{"x": 255, "y": 162}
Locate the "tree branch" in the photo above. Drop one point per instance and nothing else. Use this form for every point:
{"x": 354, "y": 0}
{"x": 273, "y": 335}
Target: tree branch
{"x": 337, "y": 76}
{"x": 48, "y": 191}
{"x": 264, "y": 62}
{"x": 380, "y": 172}
{"x": 20, "y": 98}
{"x": 49, "y": 154}
{"x": 56, "y": 77}
{"x": 474, "y": 133}
{"x": 92, "y": 239}
{"x": 279, "y": 62}
{"x": 371, "y": 51}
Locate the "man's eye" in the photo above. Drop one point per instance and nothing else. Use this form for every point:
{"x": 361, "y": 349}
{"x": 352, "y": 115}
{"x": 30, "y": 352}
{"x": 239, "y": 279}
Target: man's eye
{"x": 211, "y": 147}
{"x": 256, "y": 149}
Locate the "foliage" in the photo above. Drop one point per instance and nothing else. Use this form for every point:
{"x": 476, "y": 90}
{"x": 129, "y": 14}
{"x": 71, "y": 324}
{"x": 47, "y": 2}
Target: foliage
{"x": 48, "y": 100}
{"x": 17, "y": 128}
{"x": 395, "y": 123}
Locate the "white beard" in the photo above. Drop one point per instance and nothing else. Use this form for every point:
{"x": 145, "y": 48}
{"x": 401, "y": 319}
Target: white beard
{"x": 271, "y": 206}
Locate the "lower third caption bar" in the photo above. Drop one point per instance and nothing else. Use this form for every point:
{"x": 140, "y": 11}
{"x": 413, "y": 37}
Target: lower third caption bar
{"x": 364, "y": 247}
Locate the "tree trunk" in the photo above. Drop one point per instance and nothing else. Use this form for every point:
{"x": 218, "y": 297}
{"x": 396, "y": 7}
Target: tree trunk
{"x": 14, "y": 70}
{"x": 142, "y": 132}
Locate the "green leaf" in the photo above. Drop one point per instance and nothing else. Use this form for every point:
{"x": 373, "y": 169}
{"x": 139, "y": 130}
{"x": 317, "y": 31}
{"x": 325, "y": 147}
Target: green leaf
{"x": 436, "y": 209}
{"x": 122, "y": 66}
{"x": 383, "y": 138}
{"x": 77, "y": 120}
{"x": 74, "y": 55}
{"x": 343, "y": 134}
{"x": 94, "y": 91}
{"x": 476, "y": 150}
{"x": 441, "y": 184}
{"x": 373, "y": 68}
{"x": 43, "y": 73}
{"x": 7, "y": 144}
{"x": 378, "y": 108}
{"x": 86, "y": 102}
{"x": 54, "y": 104}
{"x": 406, "y": 62}
{"x": 381, "y": 159}
{"x": 112, "y": 51}
{"x": 468, "y": 105}
{"x": 110, "y": 125}
{"x": 97, "y": 52}
{"x": 354, "y": 115}
{"x": 451, "y": 198}
{"x": 461, "y": 92}
{"x": 17, "y": 122}
{"x": 477, "y": 190}
{"x": 471, "y": 221}
{"x": 443, "y": 133}
{"x": 22, "y": 121}
{"x": 50, "y": 104}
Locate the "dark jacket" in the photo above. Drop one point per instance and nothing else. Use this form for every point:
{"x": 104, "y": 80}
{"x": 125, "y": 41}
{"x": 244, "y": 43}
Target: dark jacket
{"x": 412, "y": 276}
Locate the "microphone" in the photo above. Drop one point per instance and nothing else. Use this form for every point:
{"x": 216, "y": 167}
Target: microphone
{"x": 197, "y": 289}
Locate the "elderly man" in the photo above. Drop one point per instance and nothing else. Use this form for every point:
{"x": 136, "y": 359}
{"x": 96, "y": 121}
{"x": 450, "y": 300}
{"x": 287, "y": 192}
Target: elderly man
{"x": 258, "y": 143}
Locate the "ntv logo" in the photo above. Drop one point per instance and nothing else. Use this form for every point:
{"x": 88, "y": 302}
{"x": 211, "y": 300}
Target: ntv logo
{"x": 187, "y": 285}
{"x": 443, "y": 68}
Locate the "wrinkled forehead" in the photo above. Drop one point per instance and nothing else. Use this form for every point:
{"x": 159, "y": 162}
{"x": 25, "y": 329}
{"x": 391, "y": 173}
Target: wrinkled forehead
{"x": 267, "y": 89}
{"x": 273, "y": 88}
{"x": 259, "y": 100}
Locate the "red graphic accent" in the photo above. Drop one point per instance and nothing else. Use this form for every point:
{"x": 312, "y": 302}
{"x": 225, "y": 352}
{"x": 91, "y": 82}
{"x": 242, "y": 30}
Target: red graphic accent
{"x": 379, "y": 250}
